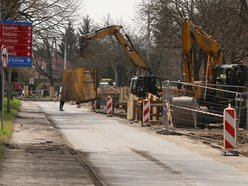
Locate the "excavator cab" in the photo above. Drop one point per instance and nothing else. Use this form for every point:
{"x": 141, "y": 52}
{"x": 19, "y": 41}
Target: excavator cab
{"x": 232, "y": 74}
{"x": 142, "y": 85}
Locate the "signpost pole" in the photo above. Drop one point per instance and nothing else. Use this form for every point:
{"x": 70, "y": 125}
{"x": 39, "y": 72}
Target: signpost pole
{"x": 9, "y": 90}
{"x": 4, "y": 60}
{"x": 2, "y": 98}
{"x": 2, "y": 75}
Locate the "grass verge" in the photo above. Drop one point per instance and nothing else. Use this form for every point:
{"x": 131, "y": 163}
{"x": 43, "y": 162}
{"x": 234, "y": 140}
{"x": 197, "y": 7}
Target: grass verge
{"x": 9, "y": 117}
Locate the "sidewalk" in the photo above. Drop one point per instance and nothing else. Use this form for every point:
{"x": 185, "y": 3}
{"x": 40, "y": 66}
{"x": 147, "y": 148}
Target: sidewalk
{"x": 37, "y": 154}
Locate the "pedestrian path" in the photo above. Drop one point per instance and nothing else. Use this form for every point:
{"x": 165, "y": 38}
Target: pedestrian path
{"x": 37, "y": 154}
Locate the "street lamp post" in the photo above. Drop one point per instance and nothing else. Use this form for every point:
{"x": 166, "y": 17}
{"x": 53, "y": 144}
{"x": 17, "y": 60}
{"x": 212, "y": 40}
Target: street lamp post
{"x": 65, "y": 53}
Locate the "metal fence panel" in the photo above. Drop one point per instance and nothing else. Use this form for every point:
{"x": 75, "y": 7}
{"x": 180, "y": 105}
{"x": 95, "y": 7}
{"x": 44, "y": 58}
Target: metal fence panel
{"x": 198, "y": 105}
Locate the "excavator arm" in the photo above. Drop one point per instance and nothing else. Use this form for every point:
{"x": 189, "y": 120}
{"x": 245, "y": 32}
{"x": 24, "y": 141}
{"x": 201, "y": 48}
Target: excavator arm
{"x": 125, "y": 43}
{"x": 140, "y": 85}
{"x": 101, "y": 33}
{"x": 194, "y": 36}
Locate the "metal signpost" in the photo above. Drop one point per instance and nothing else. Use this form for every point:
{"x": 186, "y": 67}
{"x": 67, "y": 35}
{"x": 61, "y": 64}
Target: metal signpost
{"x": 4, "y": 60}
{"x": 16, "y": 49}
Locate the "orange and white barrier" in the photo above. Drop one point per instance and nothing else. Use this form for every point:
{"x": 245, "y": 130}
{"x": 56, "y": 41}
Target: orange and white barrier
{"x": 146, "y": 111}
{"x": 230, "y": 133}
{"x": 109, "y": 106}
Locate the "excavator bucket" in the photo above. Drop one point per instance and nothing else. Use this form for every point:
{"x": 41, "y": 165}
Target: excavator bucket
{"x": 79, "y": 85}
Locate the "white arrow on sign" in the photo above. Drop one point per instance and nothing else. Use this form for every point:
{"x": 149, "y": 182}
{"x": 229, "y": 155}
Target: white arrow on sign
{"x": 4, "y": 56}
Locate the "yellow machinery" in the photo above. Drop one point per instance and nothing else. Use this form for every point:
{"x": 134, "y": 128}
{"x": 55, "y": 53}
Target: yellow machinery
{"x": 194, "y": 37}
{"x": 216, "y": 72}
{"x": 140, "y": 85}
{"x": 231, "y": 77}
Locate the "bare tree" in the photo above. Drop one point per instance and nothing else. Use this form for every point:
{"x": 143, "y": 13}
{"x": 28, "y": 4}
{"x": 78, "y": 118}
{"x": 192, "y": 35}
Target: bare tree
{"x": 164, "y": 31}
{"x": 49, "y": 19}
{"x": 70, "y": 43}
{"x": 106, "y": 55}
{"x": 244, "y": 10}
{"x": 226, "y": 21}
{"x": 44, "y": 58}
{"x": 44, "y": 15}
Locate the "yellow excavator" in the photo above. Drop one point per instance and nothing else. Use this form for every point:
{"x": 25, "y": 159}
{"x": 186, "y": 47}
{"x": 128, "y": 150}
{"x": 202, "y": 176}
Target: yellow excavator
{"x": 231, "y": 77}
{"x": 194, "y": 37}
{"x": 216, "y": 72}
{"x": 140, "y": 85}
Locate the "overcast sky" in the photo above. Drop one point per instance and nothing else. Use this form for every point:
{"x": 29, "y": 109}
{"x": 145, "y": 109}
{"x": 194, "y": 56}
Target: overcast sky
{"x": 120, "y": 11}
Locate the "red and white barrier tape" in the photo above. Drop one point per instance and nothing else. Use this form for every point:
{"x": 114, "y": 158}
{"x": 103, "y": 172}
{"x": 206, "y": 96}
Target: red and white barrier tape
{"x": 199, "y": 111}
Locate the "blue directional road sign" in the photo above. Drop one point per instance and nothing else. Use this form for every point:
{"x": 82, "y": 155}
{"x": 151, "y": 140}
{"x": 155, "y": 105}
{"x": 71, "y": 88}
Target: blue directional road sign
{"x": 17, "y": 38}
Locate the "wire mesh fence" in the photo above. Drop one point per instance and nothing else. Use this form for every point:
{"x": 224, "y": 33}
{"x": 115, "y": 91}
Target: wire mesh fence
{"x": 201, "y": 105}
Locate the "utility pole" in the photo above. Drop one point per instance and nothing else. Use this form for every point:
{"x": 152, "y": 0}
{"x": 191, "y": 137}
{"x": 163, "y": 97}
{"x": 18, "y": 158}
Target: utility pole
{"x": 65, "y": 53}
{"x": 148, "y": 34}
{"x": 56, "y": 60}
{"x": 54, "y": 46}
{"x": 116, "y": 77}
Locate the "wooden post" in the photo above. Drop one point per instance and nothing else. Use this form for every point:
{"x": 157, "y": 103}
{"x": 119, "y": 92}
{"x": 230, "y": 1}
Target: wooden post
{"x": 26, "y": 92}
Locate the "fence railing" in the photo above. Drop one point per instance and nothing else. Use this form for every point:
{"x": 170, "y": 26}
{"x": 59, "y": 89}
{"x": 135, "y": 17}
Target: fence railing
{"x": 200, "y": 105}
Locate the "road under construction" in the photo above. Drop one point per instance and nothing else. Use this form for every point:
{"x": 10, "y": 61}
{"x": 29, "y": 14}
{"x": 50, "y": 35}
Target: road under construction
{"x": 207, "y": 86}
{"x": 193, "y": 104}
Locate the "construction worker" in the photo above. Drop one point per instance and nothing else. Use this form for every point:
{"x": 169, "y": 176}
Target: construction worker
{"x": 61, "y": 105}
{"x": 61, "y": 102}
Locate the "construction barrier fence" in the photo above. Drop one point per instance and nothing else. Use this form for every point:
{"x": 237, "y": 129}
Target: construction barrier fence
{"x": 198, "y": 105}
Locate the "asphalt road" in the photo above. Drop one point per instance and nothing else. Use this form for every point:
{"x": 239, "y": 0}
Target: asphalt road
{"x": 123, "y": 154}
